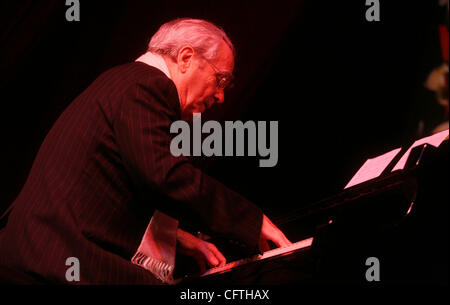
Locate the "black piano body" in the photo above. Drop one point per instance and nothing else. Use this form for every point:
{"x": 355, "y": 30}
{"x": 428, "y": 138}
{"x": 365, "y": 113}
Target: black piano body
{"x": 399, "y": 218}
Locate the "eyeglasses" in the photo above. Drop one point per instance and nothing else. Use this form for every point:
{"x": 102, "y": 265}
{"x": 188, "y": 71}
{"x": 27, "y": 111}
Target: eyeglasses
{"x": 223, "y": 79}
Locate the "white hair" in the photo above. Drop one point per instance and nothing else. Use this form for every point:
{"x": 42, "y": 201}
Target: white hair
{"x": 202, "y": 35}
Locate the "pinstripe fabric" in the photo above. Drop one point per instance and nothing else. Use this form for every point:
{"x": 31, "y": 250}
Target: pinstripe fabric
{"x": 97, "y": 178}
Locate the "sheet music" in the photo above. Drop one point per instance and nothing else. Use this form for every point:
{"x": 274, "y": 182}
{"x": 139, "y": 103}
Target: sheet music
{"x": 372, "y": 168}
{"x": 434, "y": 140}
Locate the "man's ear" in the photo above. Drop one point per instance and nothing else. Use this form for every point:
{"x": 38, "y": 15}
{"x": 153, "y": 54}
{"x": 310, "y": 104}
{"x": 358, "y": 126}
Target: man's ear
{"x": 184, "y": 58}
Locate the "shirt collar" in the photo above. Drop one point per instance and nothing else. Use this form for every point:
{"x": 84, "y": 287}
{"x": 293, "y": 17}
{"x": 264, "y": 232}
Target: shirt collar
{"x": 156, "y": 61}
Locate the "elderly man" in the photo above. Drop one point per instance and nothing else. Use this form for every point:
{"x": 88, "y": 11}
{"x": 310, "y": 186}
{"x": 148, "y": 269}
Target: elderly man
{"x": 105, "y": 167}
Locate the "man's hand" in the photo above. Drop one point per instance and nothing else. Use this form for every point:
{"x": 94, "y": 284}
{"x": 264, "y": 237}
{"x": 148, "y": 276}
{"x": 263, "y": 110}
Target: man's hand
{"x": 204, "y": 252}
{"x": 270, "y": 232}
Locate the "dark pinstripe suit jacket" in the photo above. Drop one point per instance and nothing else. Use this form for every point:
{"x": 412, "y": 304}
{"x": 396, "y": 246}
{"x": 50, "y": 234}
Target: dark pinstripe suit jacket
{"x": 97, "y": 178}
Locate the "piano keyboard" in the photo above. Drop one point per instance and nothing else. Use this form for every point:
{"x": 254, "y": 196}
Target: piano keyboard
{"x": 268, "y": 254}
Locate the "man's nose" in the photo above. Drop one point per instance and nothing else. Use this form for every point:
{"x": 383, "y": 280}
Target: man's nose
{"x": 219, "y": 96}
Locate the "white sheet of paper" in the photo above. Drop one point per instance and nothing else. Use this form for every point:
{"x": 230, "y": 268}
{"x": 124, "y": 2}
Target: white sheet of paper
{"x": 434, "y": 140}
{"x": 372, "y": 168}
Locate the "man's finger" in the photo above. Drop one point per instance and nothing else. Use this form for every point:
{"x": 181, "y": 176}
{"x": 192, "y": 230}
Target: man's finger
{"x": 279, "y": 238}
{"x": 283, "y": 241}
{"x": 271, "y": 232}
{"x": 217, "y": 254}
{"x": 209, "y": 255}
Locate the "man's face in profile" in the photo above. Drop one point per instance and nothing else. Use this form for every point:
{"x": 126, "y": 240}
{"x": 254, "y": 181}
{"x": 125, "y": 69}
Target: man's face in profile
{"x": 207, "y": 81}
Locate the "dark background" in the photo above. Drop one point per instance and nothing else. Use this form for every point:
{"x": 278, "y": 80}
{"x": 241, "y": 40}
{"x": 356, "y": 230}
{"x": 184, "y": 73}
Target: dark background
{"x": 342, "y": 89}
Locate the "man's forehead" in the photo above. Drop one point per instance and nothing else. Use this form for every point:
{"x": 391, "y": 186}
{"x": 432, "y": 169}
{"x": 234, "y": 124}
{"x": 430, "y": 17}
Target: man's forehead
{"x": 225, "y": 58}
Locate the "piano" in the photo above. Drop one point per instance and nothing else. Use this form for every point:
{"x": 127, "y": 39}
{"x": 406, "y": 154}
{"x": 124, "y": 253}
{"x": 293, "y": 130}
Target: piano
{"x": 400, "y": 218}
